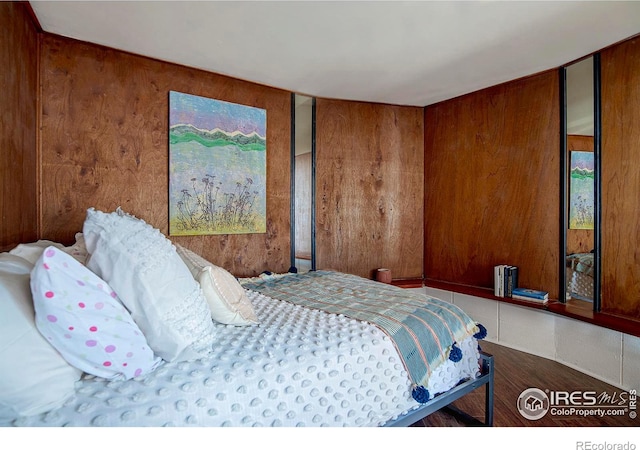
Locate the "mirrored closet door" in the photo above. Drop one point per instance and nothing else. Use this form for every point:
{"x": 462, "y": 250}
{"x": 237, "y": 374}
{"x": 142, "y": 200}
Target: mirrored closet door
{"x": 580, "y": 202}
{"x": 303, "y": 156}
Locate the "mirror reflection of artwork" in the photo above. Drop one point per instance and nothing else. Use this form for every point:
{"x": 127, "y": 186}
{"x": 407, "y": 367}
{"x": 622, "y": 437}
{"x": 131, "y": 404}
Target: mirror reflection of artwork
{"x": 581, "y": 191}
{"x": 217, "y": 167}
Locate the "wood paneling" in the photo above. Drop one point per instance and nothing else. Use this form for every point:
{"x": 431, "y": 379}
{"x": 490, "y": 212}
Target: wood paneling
{"x": 18, "y": 126}
{"x": 105, "y": 144}
{"x": 492, "y": 184}
{"x": 369, "y": 182}
{"x": 579, "y": 241}
{"x": 620, "y": 246}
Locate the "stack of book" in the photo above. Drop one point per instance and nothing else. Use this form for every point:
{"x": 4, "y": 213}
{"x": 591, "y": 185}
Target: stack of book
{"x": 531, "y": 295}
{"x": 505, "y": 280}
{"x": 506, "y": 285}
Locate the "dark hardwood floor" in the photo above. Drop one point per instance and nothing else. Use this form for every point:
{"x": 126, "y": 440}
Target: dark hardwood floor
{"x": 516, "y": 371}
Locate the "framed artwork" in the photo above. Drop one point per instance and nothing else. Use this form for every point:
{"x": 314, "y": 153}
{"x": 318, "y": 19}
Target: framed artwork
{"x": 217, "y": 167}
{"x": 581, "y": 191}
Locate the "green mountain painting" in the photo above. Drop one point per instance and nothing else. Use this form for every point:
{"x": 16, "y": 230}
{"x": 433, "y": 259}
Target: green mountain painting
{"x": 217, "y": 167}
{"x": 581, "y": 191}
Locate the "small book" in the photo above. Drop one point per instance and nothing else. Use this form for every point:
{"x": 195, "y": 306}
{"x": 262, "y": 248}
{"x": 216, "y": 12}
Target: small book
{"x": 530, "y": 294}
{"x": 514, "y": 275}
{"x": 497, "y": 281}
{"x": 500, "y": 280}
{"x": 511, "y": 282}
{"x": 505, "y": 279}
{"x": 532, "y": 300}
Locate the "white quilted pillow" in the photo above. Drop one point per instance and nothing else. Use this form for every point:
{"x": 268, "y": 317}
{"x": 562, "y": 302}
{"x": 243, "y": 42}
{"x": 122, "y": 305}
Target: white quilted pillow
{"x": 81, "y": 317}
{"x": 227, "y": 299}
{"x": 34, "y": 377}
{"x": 152, "y": 281}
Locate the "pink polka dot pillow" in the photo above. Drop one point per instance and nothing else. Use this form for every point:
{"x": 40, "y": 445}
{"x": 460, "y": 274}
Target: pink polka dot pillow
{"x": 80, "y": 315}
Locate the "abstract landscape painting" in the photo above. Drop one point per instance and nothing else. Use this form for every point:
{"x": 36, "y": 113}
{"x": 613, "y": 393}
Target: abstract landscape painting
{"x": 217, "y": 167}
{"x": 581, "y": 191}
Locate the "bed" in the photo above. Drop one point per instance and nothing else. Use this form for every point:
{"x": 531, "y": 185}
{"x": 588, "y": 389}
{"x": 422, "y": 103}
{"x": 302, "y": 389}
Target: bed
{"x": 580, "y": 276}
{"x": 205, "y": 349}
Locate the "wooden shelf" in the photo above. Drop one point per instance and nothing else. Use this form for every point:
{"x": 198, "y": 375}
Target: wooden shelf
{"x": 573, "y": 310}
{"x": 618, "y": 323}
{"x": 408, "y": 283}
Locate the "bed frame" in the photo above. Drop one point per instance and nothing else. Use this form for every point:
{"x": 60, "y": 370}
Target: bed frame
{"x": 444, "y": 400}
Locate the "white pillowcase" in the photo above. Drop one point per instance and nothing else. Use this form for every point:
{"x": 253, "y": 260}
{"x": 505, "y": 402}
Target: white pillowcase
{"x": 227, "y": 299}
{"x": 34, "y": 377}
{"x": 83, "y": 319}
{"x": 143, "y": 268}
{"x": 31, "y": 251}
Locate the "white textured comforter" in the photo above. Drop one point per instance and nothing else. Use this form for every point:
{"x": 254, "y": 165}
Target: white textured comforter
{"x": 298, "y": 367}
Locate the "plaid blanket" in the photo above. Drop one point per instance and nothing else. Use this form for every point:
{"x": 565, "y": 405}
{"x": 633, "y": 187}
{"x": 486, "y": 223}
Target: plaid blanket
{"x": 423, "y": 329}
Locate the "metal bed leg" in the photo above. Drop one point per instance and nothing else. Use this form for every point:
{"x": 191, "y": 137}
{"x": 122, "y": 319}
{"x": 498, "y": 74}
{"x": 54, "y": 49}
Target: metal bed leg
{"x": 487, "y": 367}
{"x": 445, "y": 400}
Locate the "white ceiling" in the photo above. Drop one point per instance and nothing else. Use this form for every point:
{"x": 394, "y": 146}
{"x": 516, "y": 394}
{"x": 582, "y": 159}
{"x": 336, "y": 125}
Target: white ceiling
{"x": 404, "y": 53}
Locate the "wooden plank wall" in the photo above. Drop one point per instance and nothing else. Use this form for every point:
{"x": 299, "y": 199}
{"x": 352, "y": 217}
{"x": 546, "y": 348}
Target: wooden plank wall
{"x": 105, "y": 144}
{"x": 369, "y": 182}
{"x": 620, "y": 69}
{"x": 492, "y": 184}
{"x": 18, "y": 127}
